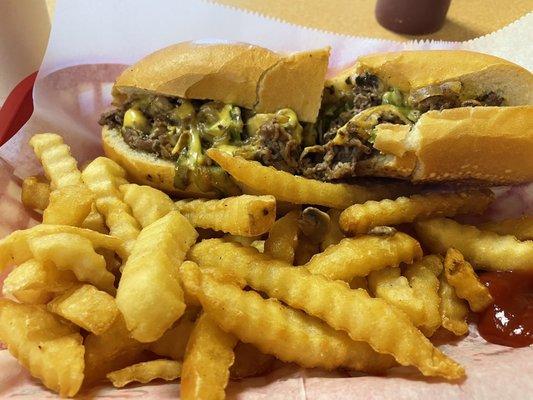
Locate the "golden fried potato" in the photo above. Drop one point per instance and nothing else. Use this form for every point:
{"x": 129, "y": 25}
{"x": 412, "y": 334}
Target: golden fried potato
{"x": 59, "y": 166}
{"x": 334, "y": 234}
{"x": 95, "y": 221}
{"x": 359, "y": 256}
{"x": 288, "y": 334}
{"x": 173, "y": 342}
{"x": 51, "y": 350}
{"x": 89, "y": 308}
{"x": 147, "y": 203}
{"x": 14, "y": 248}
{"x": 240, "y": 215}
{"x": 149, "y": 293}
{"x": 461, "y": 275}
{"x": 485, "y": 250}
{"x": 415, "y": 293}
{"x": 34, "y": 282}
{"x": 453, "y": 310}
{"x": 249, "y": 361}
{"x": 521, "y": 228}
{"x": 208, "y": 358}
{"x": 120, "y": 222}
{"x": 145, "y": 372}
{"x": 70, "y": 252}
{"x": 367, "y": 319}
{"x": 112, "y": 350}
{"x": 425, "y": 285}
{"x": 104, "y": 177}
{"x": 283, "y": 237}
{"x": 35, "y": 194}
{"x": 361, "y": 218}
{"x": 69, "y": 205}
{"x": 295, "y": 189}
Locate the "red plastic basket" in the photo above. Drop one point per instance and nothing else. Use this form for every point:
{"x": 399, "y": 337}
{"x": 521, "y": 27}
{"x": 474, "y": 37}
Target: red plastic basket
{"x": 17, "y": 108}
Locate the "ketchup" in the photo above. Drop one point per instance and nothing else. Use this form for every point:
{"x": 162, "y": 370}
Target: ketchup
{"x": 509, "y": 320}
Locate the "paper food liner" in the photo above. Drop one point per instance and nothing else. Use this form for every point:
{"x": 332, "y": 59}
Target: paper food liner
{"x": 92, "y": 42}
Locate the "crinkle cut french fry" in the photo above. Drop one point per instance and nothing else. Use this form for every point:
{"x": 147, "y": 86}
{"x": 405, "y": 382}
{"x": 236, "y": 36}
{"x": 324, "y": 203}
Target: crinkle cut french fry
{"x": 34, "y": 282}
{"x": 249, "y": 361}
{"x": 89, "y": 308}
{"x": 173, "y": 342}
{"x": 51, "y": 350}
{"x": 288, "y": 334}
{"x": 69, "y": 205}
{"x": 120, "y": 221}
{"x": 283, "y": 237}
{"x": 208, "y": 358}
{"x": 359, "y": 256}
{"x": 149, "y": 293}
{"x": 295, "y": 189}
{"x": 425, "y": 284}
{"x": 70, "y": 252}
{"x": 95, "y": 221}
{"x": 240, "y": 215}
{"x": 453, "y": 310}
{"x": 104, "y": 177}
{"x": 112, "y": 350}
{"x": 59, "y": 166}
{"x": 35, "y": 194}
{"x": 334, "y": 234}
{"x": 485, "y": 250}
{"x": 360, "y": 218}
{"x": 15, "y": 247}
{"x": 145, "y": 372}
{"x": 521, "y": 228}
{"x": 367, "y": 319}
{"x": 416, "y": 293}
{"x": 461, "y": 275}
{"x": 147, "y": 203}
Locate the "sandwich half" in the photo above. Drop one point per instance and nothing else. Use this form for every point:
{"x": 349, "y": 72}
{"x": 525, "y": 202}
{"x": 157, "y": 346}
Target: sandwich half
{"x": 426, "y": 116}
{"x": 174, "y": 104}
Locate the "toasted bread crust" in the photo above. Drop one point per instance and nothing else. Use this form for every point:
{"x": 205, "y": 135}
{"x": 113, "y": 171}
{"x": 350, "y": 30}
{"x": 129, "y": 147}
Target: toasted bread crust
{"x": 242, "y": 74}
{"x": 479, "y": 73}
{"x": 486, "y": 144}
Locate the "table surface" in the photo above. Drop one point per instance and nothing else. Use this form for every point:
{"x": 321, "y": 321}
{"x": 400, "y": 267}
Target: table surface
{"x": 467, "y": 19}
{"x": 22, "y": 44}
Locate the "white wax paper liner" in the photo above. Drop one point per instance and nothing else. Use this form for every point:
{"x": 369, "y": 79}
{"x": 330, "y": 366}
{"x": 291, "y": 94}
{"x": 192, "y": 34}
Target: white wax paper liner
{"x": 92, "y": 42}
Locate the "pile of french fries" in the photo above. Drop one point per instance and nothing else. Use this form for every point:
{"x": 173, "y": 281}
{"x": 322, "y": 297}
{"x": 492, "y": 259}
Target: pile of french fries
{"x": 120, "y": 282}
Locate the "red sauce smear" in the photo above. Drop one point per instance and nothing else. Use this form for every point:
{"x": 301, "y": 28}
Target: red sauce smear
{"x": 509, "y": 320}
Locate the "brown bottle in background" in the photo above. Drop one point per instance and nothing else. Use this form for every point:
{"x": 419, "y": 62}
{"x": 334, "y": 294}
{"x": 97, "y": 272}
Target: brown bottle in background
{"x": 413, "y": 17}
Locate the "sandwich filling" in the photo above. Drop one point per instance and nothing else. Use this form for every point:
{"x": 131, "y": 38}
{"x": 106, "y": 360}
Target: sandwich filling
{"x": 345, "y": 128}
{"x": 181, "y": 130}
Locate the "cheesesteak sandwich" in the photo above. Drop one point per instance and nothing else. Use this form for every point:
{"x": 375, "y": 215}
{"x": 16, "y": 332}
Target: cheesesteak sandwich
{"x": 427, "y": 116}
{"x": 176, "y": 103}
{"x": 422, "y": 116}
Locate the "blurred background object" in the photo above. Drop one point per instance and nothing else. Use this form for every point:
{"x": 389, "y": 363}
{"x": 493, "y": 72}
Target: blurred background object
{"x": 412, "y": 17}
{"x": 24, "y": 29}
{"x": 25, "y": 25}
